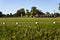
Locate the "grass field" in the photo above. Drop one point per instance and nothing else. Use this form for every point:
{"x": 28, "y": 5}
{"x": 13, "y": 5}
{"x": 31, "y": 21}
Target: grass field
{"x": 27, "y": 29}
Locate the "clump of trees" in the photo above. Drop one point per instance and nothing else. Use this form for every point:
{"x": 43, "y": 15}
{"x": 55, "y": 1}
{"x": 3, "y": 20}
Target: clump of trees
{"x": 34, "y": 12}
{"x": 20, "y": 12}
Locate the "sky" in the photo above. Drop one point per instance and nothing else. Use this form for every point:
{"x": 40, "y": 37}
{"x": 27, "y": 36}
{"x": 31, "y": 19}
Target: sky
{"x": 11, "y": 6}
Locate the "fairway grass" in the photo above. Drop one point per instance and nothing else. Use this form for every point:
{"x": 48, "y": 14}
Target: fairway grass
{"x": 27, "y": 29}
{"x": 29, "y": 21}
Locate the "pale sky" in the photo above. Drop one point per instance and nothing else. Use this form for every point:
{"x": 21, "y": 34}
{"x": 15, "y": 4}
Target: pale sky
{"x": 11, "y": 6}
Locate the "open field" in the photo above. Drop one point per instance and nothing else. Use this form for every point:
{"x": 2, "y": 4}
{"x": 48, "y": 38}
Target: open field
{"x": 29, "y": 21}
{"x": 27, "y": 29}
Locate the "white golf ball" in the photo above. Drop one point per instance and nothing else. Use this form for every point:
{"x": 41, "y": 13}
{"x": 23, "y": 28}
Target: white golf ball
{"x": 36, "y": 22}
{"x": 17, "y": 22}
{"x": 3, "y": 23}
{"x": 54, "y": 22}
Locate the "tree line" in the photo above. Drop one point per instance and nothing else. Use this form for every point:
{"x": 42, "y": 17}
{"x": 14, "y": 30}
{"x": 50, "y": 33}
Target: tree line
{"x": 34, "y": 12}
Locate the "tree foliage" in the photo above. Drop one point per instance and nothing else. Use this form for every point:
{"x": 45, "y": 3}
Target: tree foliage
{"x": 30, "y": 13}
{"x": 59, "y": 6}
{"x": 20, "y": 12}
{"x": 56, "y": 14}
{"x": 35, "y": 11}
{"x": 0, "y": 14}
{"x": 27, "y": 12}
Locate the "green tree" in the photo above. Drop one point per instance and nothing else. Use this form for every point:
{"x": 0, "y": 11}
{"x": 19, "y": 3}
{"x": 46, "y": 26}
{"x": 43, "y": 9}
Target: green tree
{"x": 27, "y": 12}
{"x": 33, "y": 11}
{"x": 47, "y": 13}
{"x": 56, "y": 14}
{"x": 59, "y": 7}
{"x": 0, "y": 14}
{"x": 39, "y": 12}
{"x": 11, "y": 15}
{"x": 7, "y": 15}
{"x": 3, "y": 15}
{"x": 20, "y": 12}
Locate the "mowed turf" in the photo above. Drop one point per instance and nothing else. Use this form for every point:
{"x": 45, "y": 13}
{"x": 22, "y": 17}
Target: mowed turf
{"x": 27, "y": 29}
{"x": 29, "y": 21}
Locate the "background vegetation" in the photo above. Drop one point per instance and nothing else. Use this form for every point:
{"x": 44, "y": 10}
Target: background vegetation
{"x": 34, "y": 12}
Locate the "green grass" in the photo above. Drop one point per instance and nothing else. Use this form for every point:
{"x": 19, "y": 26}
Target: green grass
{"x": 28, "y": 30}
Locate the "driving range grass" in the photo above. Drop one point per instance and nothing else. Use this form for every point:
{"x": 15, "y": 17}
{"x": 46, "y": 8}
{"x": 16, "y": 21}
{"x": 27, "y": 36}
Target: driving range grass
{"x": 27, "y": 29}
